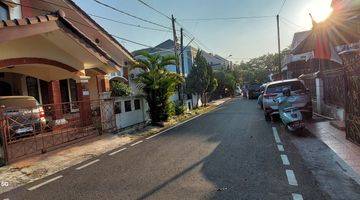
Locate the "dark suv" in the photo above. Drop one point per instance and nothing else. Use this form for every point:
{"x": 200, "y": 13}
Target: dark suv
{"x": 253, "y": 91}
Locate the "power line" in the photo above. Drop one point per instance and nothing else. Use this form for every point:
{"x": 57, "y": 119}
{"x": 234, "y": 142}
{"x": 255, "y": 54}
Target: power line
{"x": 191, "y": 38}
{"x": 226, "y": 18}
{"x": 282, "y": 6}
{"x": 138, "y": 43}
{"x": 131, "y": 15}
{"x": 115, "y": 36}
{"x": 196, "y": 41}
{"x": 290, "y": 26}
{"x": 129, "y": 24}
{"x": 287, "y": 21}
{"x": 152, "y": 8}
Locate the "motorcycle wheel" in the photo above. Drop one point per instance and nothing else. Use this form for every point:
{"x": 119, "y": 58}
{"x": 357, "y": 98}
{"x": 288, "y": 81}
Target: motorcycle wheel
{"x": 267, "y": 117}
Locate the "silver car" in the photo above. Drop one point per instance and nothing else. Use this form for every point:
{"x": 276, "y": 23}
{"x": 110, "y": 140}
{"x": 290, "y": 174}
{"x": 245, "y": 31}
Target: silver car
{"x": 23, "y": 114}
{"x": 298, "y": 91}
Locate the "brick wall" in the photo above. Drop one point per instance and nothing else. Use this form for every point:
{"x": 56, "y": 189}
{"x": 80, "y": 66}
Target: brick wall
{"x": 55, "y": 99}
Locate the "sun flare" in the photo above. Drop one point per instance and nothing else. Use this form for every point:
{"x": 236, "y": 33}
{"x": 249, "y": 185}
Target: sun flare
{"x": 320, "y": 10}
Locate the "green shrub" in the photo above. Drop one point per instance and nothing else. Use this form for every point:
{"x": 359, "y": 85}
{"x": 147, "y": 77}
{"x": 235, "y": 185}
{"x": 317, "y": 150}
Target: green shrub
{"x": 120, "y": 89}
{"x": 170, "y": 108}
{"x": 179, "y": 108}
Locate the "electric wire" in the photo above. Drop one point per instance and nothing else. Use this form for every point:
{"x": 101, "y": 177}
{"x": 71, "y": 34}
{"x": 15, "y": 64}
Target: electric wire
{"x": 131, "y": 15}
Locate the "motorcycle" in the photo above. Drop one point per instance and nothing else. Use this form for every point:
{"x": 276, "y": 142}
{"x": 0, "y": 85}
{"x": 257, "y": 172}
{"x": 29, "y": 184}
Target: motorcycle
{"x": 289, "y": 115}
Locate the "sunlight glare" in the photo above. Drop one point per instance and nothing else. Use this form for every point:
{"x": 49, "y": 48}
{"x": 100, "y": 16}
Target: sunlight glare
{"x": 320, "y": 9}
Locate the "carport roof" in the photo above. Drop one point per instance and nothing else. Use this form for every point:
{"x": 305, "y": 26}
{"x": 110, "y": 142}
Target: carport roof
{"x": 9, "y": 30}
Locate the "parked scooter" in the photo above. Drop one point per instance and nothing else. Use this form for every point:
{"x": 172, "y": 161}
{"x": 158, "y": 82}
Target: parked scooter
{"x": 289, "y": 115}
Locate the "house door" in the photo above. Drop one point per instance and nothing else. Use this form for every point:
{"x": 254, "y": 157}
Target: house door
{"x": 44, "y": 88}
{"x": 5, "y": 89}
{"x": 65, "y": 99}
{"x": 69, "y": 95}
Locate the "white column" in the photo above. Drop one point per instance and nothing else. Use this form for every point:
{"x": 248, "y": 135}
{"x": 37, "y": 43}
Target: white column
{"x": 319, "y": 94}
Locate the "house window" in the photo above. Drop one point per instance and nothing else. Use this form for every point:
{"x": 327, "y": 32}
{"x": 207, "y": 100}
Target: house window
{"x": 32, "y": 87}
{"x": 4, "y": 12}
{"x": 137, "y": 104}
{"x": 127, "y": 106}
{"x": 117, "y": 109}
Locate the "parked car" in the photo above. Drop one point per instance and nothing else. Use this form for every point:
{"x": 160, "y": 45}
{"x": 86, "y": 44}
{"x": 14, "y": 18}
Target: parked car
{"x": 260, "y": 98}
{"x": 298, "y": 91}
{"x": 24, "y": 114}
{"x": 252, "y": 91}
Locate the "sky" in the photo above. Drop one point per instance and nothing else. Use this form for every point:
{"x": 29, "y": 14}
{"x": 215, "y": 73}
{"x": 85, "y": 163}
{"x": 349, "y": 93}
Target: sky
{"x": 243, "y": 38}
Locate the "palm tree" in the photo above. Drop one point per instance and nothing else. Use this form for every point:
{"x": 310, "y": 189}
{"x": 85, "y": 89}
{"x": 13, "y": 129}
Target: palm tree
{"x": 157, "y": 83}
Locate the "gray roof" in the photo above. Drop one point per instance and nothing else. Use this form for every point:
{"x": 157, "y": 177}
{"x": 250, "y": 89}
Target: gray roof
{"x": 299, "y": 37}
{"x": 167, "y": 45}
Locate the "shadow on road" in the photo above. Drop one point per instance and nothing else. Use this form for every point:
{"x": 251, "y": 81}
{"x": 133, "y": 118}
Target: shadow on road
{"x": 244, "y": 164}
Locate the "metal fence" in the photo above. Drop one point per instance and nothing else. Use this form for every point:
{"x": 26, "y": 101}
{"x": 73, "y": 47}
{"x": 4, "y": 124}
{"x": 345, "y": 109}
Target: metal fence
{"x": 353, "y": 100}
{"x": 311, "y": 85}
{"x": 32, "y": 130}
{"x": 334, "y": 87}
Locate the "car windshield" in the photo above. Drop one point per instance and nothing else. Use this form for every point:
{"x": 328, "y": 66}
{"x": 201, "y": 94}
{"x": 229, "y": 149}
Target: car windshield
{"x": 278, "y": 88}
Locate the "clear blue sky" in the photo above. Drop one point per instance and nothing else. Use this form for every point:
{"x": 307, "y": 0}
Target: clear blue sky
{"x": 243, "y": 38}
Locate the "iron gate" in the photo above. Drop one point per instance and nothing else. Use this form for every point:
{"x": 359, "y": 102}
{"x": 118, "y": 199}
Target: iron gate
{"x": 353, "y": 101}
{"x": 33, "y": 130}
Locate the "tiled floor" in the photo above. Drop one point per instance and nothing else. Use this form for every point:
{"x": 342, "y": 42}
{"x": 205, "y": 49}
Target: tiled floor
{"x": 336, "y": 140}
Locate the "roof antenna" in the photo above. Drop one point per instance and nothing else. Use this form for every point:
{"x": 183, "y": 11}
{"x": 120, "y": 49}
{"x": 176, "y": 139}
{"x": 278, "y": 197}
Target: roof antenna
{"x": 312, "y": 20}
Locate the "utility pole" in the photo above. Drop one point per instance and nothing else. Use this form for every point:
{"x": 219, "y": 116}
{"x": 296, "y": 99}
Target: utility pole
{"x": 278, "y": 35}
{"x": 182, "y": 51}
{"x": 175, "y": 44}
{"x": 182, "y": 64}
{"x": 176, "y": 56}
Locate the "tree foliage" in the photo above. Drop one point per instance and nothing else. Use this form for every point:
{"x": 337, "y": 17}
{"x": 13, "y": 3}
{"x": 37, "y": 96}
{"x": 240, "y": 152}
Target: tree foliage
{"x": 120, "y": 89}
{"x": 226, "y": 83}
{"x": 201, "y": 80}
{"x": 257, "y": 70}
{"x": 158, "y": 84}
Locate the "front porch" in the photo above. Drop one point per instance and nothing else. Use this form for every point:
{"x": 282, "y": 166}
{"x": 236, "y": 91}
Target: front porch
{"x": 49, "y": 59}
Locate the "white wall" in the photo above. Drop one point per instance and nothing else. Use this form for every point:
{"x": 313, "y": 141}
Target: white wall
{"x": 196, "y": 99}
{"x": 126, "y": 119}
{"x": 15, "y": 12}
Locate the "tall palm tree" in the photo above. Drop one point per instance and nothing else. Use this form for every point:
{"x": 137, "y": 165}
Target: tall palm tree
{"x": 157, "y": 83}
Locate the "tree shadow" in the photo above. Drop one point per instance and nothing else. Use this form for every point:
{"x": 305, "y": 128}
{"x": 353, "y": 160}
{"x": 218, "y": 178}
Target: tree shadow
{"x": 244, "y": 164}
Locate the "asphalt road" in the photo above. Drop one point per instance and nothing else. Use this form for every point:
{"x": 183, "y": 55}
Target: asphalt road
{"x": 230, "y": 153}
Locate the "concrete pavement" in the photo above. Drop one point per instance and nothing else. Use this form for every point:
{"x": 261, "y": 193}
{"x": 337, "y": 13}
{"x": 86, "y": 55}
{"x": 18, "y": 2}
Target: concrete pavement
{"x": 229, "y": 153}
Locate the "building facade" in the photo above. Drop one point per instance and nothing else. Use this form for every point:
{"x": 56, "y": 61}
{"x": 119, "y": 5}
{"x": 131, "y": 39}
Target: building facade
{"x": 50, "y": 48}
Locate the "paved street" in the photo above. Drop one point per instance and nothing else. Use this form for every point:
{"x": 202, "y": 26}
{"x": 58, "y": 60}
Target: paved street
{"x": 230, "y": 153}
